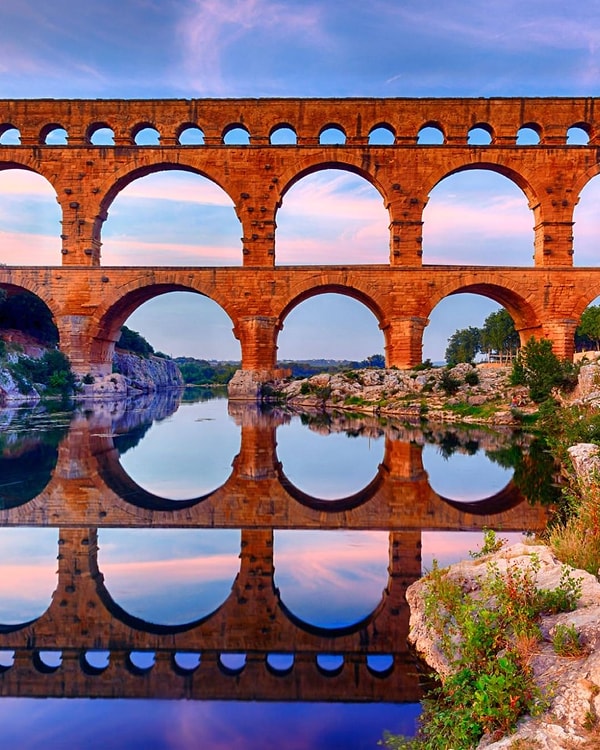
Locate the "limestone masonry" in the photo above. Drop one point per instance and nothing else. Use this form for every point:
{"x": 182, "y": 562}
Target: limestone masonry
{"x": 90, "y": 301}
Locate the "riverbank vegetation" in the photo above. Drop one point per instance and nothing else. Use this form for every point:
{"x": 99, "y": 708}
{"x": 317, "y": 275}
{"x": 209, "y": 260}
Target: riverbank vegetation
{"x": 487, "y": 640}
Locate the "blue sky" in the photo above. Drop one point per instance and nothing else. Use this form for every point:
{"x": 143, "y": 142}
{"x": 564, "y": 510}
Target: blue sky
{"x": 196, "y": 48}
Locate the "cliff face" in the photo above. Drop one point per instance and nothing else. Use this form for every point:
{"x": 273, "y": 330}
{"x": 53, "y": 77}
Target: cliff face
{"x": 146, "y": 375}
{"x": 135, "y": 375}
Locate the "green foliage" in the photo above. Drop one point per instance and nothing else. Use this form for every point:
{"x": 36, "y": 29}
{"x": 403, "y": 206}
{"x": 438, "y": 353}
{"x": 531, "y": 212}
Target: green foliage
{"x": 588, "y": 330}
{"x": 491, "y": 544}
{"x": 53, "y": 371}
{"x": 498, "y": 334}
{"x": 537, "y": 367}
{"x": 486, "y": 640}
{"x": 448, "y": 383}
{"x": 134, "y": 342}
{"x": 26, "y": 312}
{"x": 472, "y": 377}
{"x": 425, "y": 365}
{"x": 463, "y": 345}
{"x": 202, "y": 372}
{"x": 566, "y": 641}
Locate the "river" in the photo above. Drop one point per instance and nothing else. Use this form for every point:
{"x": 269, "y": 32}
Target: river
{"x": 195, "y": 573}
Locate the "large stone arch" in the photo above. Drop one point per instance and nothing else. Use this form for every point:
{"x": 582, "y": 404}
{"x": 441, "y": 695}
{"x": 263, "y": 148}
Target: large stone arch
{"x": 106, "y": 323}
{"x": 29, "y": 165}
{"x": 515, "y": 301}
{"x": 132, "y": 172}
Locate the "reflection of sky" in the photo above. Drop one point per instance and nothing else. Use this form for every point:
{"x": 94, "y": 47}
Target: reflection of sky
{"x": 169, "y": 576}
{"x": 448, "y": 547}
{"x": 27, "y": 573}
{"x": 327, "y": 466}
{"x": 331, "y": 578}
{"x": 464, "y": 477}
{"x": 188, "y": 454}
{"x": 189, "y": 725}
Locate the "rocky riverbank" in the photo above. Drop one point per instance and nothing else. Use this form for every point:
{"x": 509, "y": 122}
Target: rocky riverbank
{"x": 465, "y": 393}
{"x": 570, "y": 683}
{"x": 132, "y": 375}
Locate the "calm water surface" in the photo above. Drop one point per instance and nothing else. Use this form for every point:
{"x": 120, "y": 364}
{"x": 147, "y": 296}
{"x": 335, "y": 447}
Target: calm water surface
{"x": 229, "y": 578}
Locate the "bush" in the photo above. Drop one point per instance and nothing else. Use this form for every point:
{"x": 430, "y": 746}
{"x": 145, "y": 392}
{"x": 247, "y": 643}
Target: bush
{"x": 537, "y": 367}
{"x": 449, "y": 384}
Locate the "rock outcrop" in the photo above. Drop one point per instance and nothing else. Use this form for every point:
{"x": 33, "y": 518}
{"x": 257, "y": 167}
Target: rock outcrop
{"x": 572, "y": 684}
{"x": 134, "y": 374}
{"x": 413, "y": 394}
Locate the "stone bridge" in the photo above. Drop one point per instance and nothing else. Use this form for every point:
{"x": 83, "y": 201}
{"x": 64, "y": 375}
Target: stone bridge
{"x": 90, "y": 302}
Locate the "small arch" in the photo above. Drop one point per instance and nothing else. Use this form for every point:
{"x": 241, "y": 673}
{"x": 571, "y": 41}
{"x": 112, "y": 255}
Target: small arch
{"x": 54, "y": 135}
{"x": 232, "y": 663}
{"x": 47, "y": 662}
{"x": 280, "y": 664}
{"x": 9, "y": 135}
{"x": 529, "y": 134}
{"x": 236, "y": 135}
{"x": 186, "y": 662}
{"x": 141, "y": 662}
{"x": 380, "y": 665}
{"x": 330, "y": 665}
{"x": 100, "y": 134}
{"x": 7, "y": 659}
{"x": 332, "y": 135}
{"x": 382, "y": 135}
{"x": 145, "y": 134}
{"x": 480, "y": 134}
{"x": 283, "y": 135}
{"x": 431, "y": 134}
{"x": 578, "y": 134}
{"x": 190, "y": 135}
{"x": 95, "y": 662}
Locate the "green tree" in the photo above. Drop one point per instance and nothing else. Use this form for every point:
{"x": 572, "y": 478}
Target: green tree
{"x": 498, "y": 334}
{"x": 463, "y": 345}
{"x": 537, "y": 367}
{"x": 588, "y": 329}
{"x": 134, "y": 342}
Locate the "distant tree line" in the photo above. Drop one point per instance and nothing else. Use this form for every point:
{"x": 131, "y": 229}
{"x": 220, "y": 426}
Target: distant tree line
{"x": 499, "y": 340}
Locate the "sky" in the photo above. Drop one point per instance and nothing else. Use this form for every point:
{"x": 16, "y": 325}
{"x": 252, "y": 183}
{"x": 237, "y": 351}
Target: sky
{"x": 296, "y": 48}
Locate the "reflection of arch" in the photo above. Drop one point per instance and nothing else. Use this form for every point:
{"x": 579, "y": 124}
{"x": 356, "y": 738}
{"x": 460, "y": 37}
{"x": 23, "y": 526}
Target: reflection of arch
{"x": 334, "y": 506}
{"x": 505, "y": 499}
{"x": 20, "y": 482}
{"x": 116, "y": 478}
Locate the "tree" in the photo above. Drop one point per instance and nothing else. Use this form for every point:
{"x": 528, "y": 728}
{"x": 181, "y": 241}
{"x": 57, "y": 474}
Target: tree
{"x": 499, "y": 335}
{"x": 463, "y": 345}
{"x": 537, "y": 367}
{"x": 588, "y": 329}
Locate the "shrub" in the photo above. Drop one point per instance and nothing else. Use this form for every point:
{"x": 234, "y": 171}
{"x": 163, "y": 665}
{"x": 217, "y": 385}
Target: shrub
{"x": 448, "y": 383}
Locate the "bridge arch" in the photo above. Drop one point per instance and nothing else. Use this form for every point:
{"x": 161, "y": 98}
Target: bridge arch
{"x": 316, "y": 163}
{"x": 106, "y": 324}
{"x": 130, "y": 173}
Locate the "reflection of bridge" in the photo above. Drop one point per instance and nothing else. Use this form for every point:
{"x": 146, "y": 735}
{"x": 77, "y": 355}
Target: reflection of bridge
{"x": 89, "y": 487}
{"x": 88, "y": 490}
{"x": 252, "y": 621}
{"x": 90, "y": 303}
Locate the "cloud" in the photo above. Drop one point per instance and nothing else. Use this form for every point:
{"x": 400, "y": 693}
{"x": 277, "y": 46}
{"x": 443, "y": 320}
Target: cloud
{"x": 215, "y": 34}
